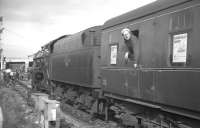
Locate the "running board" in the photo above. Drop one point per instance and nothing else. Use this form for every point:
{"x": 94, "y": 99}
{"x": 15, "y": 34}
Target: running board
{"x": 134, "y": 101}
{"x": 164, "y": 109}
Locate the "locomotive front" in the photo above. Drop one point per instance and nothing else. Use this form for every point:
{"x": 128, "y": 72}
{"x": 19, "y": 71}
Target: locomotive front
{"x": 39, "y": 71}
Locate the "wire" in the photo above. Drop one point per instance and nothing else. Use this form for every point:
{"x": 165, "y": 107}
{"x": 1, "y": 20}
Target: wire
{"x": 18, "y": 35}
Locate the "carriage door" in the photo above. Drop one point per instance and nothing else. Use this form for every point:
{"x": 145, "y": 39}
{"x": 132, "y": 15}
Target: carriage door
{"x": 119, "y": 56}
{"x": 130, "y": 51}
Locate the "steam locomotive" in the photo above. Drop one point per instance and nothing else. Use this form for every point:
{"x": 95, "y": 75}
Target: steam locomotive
{"x": 142, "y": 67}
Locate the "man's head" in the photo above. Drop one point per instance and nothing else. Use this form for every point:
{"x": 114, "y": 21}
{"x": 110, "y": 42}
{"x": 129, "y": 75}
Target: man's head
{"x": 126, "y": 33}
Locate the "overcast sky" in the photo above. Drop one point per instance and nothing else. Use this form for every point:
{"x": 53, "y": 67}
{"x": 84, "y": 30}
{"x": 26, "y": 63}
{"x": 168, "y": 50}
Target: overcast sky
{"x": 29, "y": 24}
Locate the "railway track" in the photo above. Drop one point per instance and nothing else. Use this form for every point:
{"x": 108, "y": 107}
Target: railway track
{"x": 70, "y": 117}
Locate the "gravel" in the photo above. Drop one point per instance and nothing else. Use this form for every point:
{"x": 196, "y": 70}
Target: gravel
{"x": 16, "y": 112}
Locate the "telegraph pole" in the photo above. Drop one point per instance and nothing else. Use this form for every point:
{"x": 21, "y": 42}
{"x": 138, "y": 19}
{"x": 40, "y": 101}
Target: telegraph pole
{"x": 1, "y": 48}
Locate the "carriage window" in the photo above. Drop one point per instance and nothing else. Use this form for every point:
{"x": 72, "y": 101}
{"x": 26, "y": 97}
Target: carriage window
{"x": 179, "y": 48}
{"x": 135, "y": 33}
{"x": 113, "y": 54}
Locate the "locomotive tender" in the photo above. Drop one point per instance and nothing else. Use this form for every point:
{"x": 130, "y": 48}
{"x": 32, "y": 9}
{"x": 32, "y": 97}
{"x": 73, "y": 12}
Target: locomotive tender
{"x": 142, "y": 67}
{"x": 75, "y": 59}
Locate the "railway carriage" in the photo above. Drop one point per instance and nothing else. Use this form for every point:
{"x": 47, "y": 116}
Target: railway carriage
{"x": 151, "y": 58}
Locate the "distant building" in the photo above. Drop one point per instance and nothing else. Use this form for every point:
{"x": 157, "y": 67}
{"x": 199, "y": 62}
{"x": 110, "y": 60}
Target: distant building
{"x": 18, "y": 63}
